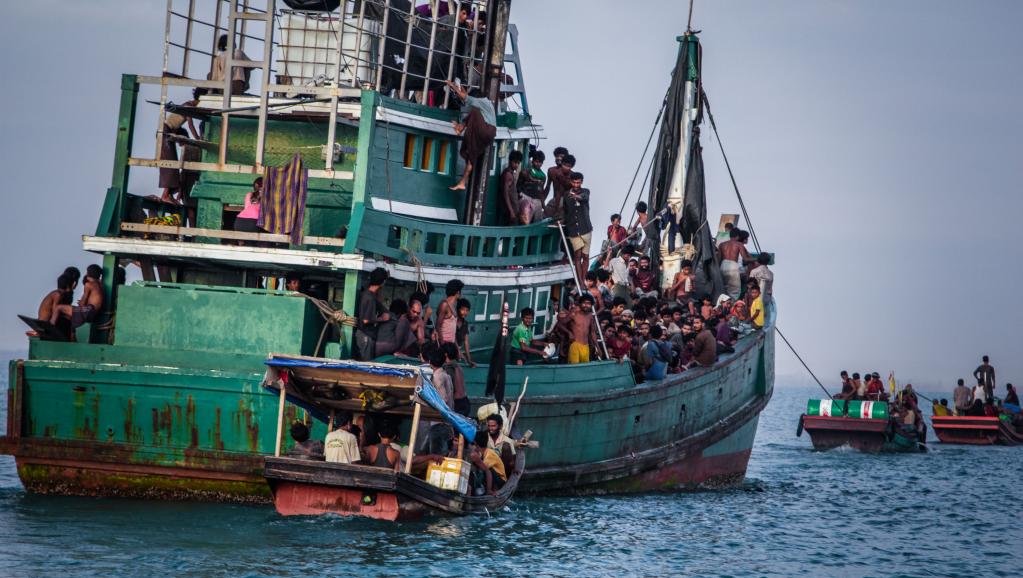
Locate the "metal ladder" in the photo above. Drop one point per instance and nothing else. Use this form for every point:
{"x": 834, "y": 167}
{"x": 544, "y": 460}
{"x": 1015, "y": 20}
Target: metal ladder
{"x": 519, "y": 87}
{"x": 240, "y": 12}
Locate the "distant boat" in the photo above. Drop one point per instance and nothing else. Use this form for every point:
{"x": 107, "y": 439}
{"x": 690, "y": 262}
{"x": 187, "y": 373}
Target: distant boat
{"x": 979, "y": 430}
{"x": 861, "y": 425}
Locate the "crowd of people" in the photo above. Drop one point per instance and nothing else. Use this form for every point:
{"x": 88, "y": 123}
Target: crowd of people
{"x": 620, "y": 312}
{"x": 977, "y": 401}
{"x": 376, "y": 442}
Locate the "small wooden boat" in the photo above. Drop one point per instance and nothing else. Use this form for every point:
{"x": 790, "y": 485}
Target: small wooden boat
{"x": 979, "y": 430}
{"x": 308, "y": 487}
{"x": 861, "y": 425}
{"x": 304, "y": 486}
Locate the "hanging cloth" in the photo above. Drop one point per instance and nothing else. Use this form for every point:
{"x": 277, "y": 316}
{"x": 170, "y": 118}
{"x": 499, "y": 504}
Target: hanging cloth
{"x": 282, "y": 209}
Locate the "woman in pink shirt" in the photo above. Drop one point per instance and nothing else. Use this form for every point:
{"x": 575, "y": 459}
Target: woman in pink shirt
{"x": 246, "y": 220}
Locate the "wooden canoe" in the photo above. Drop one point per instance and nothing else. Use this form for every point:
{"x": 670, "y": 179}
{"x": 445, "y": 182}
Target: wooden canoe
{"x": 310, "y": 487}
{"x": 979, "y": 430}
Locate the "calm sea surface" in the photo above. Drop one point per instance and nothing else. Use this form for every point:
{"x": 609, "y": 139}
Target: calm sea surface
{"x": 954, "y": 511}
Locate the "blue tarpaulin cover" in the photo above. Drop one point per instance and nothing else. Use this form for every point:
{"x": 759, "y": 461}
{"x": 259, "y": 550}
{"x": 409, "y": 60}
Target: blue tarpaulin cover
{"x": 373, "y": 369}
{"x": 429, "y": 394}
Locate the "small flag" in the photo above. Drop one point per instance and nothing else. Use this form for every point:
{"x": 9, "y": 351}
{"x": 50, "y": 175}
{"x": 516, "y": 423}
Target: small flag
{"x": 891, "y": 382}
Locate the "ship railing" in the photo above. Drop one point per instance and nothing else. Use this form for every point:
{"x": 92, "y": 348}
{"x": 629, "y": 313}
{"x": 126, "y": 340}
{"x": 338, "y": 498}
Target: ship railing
{"x": 401, "y": 238}
{"x": 181, "y": 233}
{"x": 318, "y": 59}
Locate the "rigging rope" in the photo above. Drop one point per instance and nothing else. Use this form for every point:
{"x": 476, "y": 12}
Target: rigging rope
{"x": 742, "y": 205}
{"x": 653, "y": 129}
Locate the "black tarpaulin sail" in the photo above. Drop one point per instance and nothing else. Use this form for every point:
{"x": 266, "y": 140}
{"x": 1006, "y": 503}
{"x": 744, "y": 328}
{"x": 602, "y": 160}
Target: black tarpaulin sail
{"x": 496, "y": 371}
{"x": 691, "y": 222}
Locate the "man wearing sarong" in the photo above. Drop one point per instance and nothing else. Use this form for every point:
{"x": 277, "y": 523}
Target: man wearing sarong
{"x": 478, "y": 128}
{"x": 731, "y": 250}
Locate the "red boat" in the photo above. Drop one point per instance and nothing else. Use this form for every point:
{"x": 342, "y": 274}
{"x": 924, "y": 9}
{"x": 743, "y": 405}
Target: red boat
{"x": 865, "y": 435}
{"x": 981, "y": 430}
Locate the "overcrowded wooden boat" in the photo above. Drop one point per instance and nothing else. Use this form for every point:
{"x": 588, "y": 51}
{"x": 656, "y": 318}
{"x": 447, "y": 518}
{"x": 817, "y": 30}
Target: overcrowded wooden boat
{"x": 862, "y": 425}
{"x": 976, "y": 430}
{"x": 303, "y": 486}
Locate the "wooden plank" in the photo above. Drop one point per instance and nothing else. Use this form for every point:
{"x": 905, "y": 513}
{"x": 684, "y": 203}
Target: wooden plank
{"x": 229, "y": 168}
{"x": 227, "y": 234}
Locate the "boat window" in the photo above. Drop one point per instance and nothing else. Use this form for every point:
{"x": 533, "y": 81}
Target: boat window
{"x": 442, "y": 157}
{"x": 426, "y": 157}
{"x": 410, "y": 151}
{"x": 494, "y": 305}
{"x": 480, "y": 306}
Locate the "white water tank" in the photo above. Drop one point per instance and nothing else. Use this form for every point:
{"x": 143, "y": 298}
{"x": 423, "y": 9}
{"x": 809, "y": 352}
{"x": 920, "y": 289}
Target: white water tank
{"x": 309, "y": 48}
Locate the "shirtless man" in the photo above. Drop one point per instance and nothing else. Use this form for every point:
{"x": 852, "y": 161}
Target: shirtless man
{"x": 417, "y": 327}
{"x": 591, "y": 287}
{"x": 559, "y": 177}
{"x": 584, "y": 331}
{"x": 88, "y": 306}
{"x": 65, "y": 285}
{"x": 509, "y": 188}
{"x": 731, "y": 250}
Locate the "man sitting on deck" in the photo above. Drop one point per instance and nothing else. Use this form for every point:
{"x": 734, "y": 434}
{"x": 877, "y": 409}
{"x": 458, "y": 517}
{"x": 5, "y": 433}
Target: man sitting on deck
{"x": 705, "y": 345}
{"x": 341, "y": 446}
{"x": 478, "y": 128}
{"x": 499, "y": 442}
{"x": 88, "y": 306}
{"x": 304, "y": 447}
{"x": 487, "y": 465}
{"x": 522, "y": 343}
{"x": 383, "y": 454}
{"x": 49, "y": 304}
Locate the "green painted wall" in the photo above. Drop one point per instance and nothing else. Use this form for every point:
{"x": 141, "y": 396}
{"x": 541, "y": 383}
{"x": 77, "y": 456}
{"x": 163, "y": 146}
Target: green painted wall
{"x": 212, "y": 319}
{"x": 283, "y": 140}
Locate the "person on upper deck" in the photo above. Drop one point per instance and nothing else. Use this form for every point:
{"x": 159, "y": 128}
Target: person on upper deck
{"x": 304, "y": 447}
{"x": 561, "y": 178}
{"x": 478, "y": 128}
{"x": 369, "y": 314}
{"x": 731, "y": 250}
{"x": 578, "y": 228}
{"x": 619, "y": 265}
{"x": 557, "y": 176}
{"x": 246, "y": 220}
{"x": 705, "y": 345}
{"x": 447, "y": 312}
{"x": 239, "y": 74}
{"x": 49, "y": 304}
{"x": 89, "y": 305}
{"x": 510, "y": 196}
{"x": 985, "y": 376}
{"x": 584, "y": 331}
{"x": 341, "y": 445}
{"x": 962, "y": 398}
{"x": 531, "y": 178}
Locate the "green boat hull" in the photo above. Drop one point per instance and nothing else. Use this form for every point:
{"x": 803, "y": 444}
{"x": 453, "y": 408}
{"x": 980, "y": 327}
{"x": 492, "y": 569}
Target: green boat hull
{"x": 111, "y": 424}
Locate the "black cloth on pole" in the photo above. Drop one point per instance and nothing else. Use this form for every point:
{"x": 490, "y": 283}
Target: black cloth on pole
{"x": 496, "y": 372}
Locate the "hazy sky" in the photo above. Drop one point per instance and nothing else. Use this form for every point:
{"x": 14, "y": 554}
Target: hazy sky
{"x": 877, "y": 145}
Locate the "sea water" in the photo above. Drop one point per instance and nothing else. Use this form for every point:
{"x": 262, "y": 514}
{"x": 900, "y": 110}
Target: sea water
{"x": 954, "y": 511}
